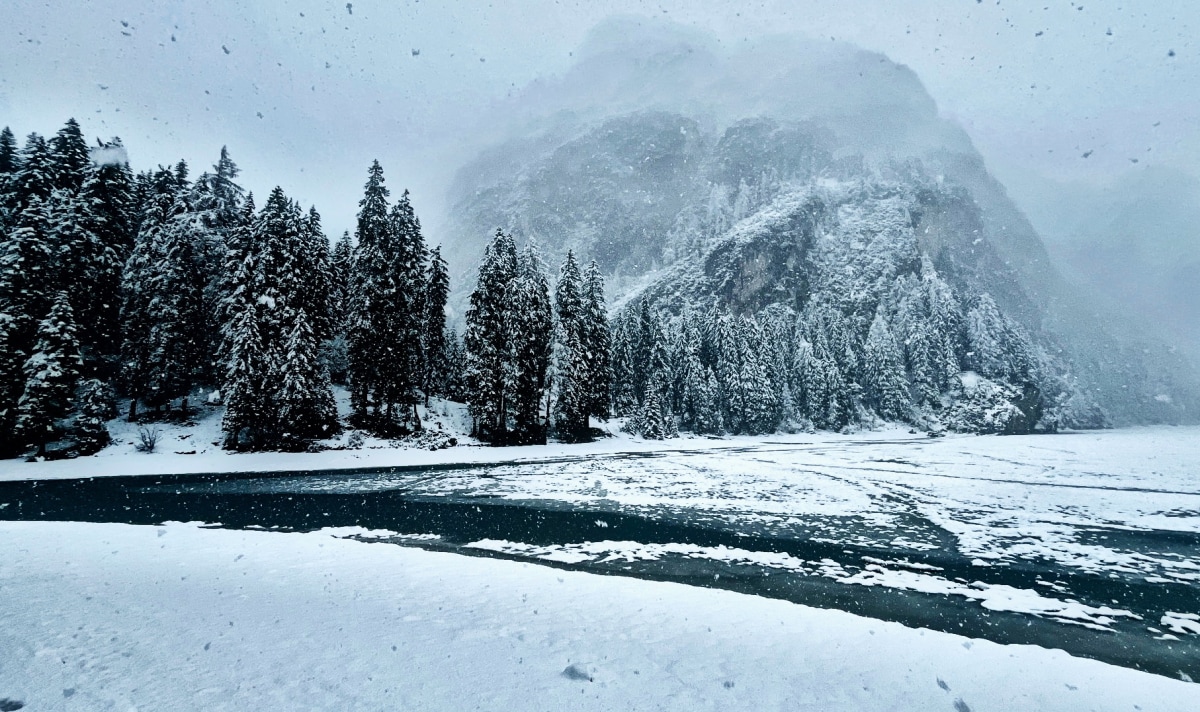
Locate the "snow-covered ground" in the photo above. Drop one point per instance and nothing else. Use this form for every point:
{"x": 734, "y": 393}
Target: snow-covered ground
{"x": 196, "y": 448}
{"x": 111, "y": 616}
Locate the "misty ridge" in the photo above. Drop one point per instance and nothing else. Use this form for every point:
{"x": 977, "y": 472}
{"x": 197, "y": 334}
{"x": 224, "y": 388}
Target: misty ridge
{"x": 784, "y": 235}
{"x": 659, "y": 140}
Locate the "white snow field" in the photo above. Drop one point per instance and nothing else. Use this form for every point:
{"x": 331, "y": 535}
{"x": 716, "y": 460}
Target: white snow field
{"x": 179, "y": 617}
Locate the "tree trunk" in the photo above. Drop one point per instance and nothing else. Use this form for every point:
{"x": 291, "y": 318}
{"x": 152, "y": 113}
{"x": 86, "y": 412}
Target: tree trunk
{"x": 416, "y": 417}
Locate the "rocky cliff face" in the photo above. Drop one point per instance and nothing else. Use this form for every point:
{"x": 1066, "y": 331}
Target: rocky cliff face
{"x": 780, "y": 176}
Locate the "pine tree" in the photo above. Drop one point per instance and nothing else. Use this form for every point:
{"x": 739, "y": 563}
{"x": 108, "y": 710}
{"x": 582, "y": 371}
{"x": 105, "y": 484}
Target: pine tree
{"x": 97, "y": 405}
{"x": 12, "y": 382}
{"x": 530, "y": 328}
{"x": 180, "y": 327}
{"x": 341, "y": 268}
{"x": 997, "y": 347}
{"x": 51, "y": 373}
{"x": 456, "y": 367}
{"x": 71, "y": 159}
{"x": 486, "y": 341}
{"x": 249, "y": 407}
{"x": 885, "y": 382}
{"x": 37, "y": 176}
{"x": 708, "y": 406}
{"x": 107, "y": 213}
{"x": 571, "y": 362}
{"x": 408, "y": 311}
{"x": 624, "y": 398}
{"x": 387, "y": 317}
{"x": 434, "y": 328}
{"x": 367, "y": 321}
{"x": 314, "y": 288}
{"x": 219, "y": 196}
{"x": 10, "y": 164}
{"x": 26, "y": 274}
{"x": 596, "y": 343}
{"x": 306, "y": 406}
{"x": 9, "y": 159}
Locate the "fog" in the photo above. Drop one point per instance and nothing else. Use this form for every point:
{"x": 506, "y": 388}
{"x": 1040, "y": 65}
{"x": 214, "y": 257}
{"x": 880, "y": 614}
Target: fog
{"x": 1068, "y": 103}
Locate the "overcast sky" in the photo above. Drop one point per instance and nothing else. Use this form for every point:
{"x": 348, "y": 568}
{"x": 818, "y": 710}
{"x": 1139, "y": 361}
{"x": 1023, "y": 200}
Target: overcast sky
{"x": 305, "y": 93}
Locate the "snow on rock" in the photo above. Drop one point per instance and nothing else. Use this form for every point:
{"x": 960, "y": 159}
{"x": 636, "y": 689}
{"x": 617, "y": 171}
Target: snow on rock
{"x": 203, "y": 619}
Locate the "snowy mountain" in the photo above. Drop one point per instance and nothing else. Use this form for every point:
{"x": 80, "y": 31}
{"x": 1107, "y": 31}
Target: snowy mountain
{"x": 697, "y": 178}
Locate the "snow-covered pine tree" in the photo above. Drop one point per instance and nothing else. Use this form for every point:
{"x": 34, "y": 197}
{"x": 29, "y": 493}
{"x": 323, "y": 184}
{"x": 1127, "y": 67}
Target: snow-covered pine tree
{"x": 335, "y": 350}
{"x": 306, "y": 407}
{"x": 314, "y": 276}
{"x": 997, "y": 348}
{"x": 652, "y": 422}
{"x": 36, "y": 177}
{"x": 530, "y": 328}
{"x": 277, "y": 390}
{"x": 387, "y": 315}
{"x": 97, "y": 405}
{"x": 406, "y": 312}
{"x": 235, "y": 288}
{"x": 456, "y": 367}
{"x": 12, "y": 382}
{"x": 372, "y": 285}
{"x": 708, "y": 406}
{"x": 571, "y": 363}
{"x": 763, "y": 397}
{"x": 643, "y": 341}
{"x": 624, "y": 398}
{"x": 218, "y": 195}
{"x": 10, "y": 163}
{"x": 181, "y": 330}
{"x": 51, "y": 374}
{"x": 341, "y": 266}
{"x": 70, "y": 157}
{"x": 434, "y": 328}
{"x": 26, "y": 269}
{"x": 597, "y": 343}
{"x": 885, "y": 382}
{"x": 486, "y": 341}
{"x": 9, "y": 158}
{"x": 250, "y": 410}
{"x": 107, "y": 200}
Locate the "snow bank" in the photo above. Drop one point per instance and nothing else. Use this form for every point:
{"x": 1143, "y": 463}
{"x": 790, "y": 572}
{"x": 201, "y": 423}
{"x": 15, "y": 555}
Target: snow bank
{"x": 108, "y": 616}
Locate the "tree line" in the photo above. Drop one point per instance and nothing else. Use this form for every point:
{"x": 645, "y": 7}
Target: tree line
{"x": 153, "y": 286}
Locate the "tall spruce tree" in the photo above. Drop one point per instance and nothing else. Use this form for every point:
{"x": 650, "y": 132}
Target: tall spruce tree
{"x": 571, "y": 341}
{"x": 530, "y": 328}
{"x": 386, "y": 322}
{"x": 70, "y": 157}
{"x": 9, "y": 159}
{"x": 37, "y": 175}
{"x": 306, "y": 406}
{"x": 367, "y": 321}
{"x": 597, "y": 343}
{"x": 51, "y": 374}
{"x": 408, "y": 310}
{"x": 27, "y": 268}
{"x": 885, "y": 382}
{"x": 276, "y": 388}
{"x": 10, "y": 164}
{"x": 486, "y": 341}
{"x": 434, "y": 329}
{"x": 12, "y": 383}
